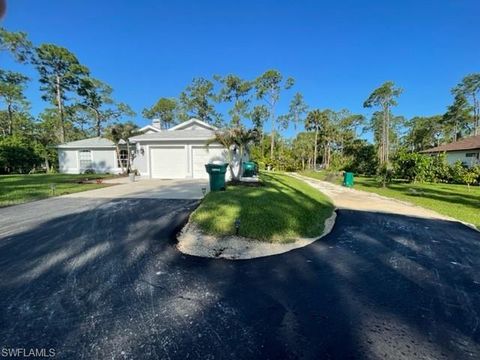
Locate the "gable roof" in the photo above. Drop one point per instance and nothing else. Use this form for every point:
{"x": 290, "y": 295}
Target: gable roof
{"x": 192, "y": 129}
{"x": 175, "y": 135}
{"x": 469, "y": 143}
{"x": 149, "y": 127}
{"x": 96, "y": 142}
{"x": 191, "y": 123}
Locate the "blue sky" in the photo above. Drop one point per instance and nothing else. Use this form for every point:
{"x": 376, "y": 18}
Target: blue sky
{"x": 338, "y": 51}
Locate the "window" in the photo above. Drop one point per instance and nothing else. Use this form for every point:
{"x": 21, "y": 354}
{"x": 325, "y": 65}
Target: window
{"x": 475, "y": 155}
{"x": 85, "y": 157}
{"x": 123, "y": 160}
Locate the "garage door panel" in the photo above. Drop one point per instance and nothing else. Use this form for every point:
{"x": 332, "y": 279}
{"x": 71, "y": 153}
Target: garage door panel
{"x": 202, "y": 156}
{"x": 169, "y": 162}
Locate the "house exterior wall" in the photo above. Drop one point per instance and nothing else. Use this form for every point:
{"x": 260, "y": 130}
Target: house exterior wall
{"x": 140, "y": 160}
{"x": 454, "y": 156}
{"x": 143, "y": 162}
{"x": 68, "y": 161}
{"x": 103, "y": 161}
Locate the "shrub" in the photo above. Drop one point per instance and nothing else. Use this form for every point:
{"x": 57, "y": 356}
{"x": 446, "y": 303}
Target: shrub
{"x": 385, "y": 175}
{"x": 441, "y": 168}
{"x": 89, "y": 171}
{"x": 457, "y": 172}
{"x": 17, "y": 155}
{"x": 471, "y": 176}
{"x": 414, "y": 167}
{"x": 362, "y": 158}
{"x": 339, "y": 162}
{"x": 424, "y": 168}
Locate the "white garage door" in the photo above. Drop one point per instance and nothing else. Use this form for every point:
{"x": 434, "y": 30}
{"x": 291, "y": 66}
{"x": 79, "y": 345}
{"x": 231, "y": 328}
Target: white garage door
{"x": 201, "y": 156}
{"x": 168, "y": 162}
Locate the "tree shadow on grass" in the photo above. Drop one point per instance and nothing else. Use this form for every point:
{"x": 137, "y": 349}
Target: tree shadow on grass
{"x": 450, "y": 197}
{"x": 270, "y": 213}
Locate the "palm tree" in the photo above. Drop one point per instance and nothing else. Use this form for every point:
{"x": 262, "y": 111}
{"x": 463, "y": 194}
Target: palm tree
{"x": 129, "y": 129}
{"x": 235, "y": 139}
{"x": 227, "y": 140}
{"x": 243, "y": 139}
{"x": 115, "y": 134}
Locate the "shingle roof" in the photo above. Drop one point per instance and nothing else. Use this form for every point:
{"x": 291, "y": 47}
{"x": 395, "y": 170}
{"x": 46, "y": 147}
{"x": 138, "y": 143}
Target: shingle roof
{"x": 89, "y": 143}
{"x": 176, "y": 135}
{"x": 469, "y": 143}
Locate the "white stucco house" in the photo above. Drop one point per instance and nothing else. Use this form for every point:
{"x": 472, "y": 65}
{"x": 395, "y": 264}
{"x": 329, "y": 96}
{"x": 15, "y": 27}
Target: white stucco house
{"x": 466, "y": 150}
{"x": 96, "y": 153}
{"x": 176, "y": 153}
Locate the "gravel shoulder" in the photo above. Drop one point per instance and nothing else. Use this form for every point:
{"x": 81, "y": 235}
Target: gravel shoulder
{"x": 351, "y": 199}
{"x": 192, "y": 241}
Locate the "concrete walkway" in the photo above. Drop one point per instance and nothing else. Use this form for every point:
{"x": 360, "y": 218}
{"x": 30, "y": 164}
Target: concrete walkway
{"x": 190, "y": 189}
{"x": 14, "y": 218}
{"x": 350, "y": 199}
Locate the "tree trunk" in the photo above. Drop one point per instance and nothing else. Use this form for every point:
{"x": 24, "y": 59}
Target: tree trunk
{"x": 129, "y": 165}
{"x": 240, "y": 163}
{"x": 272, "y": 141}
{"x": 10, "y": 119}
{"x": 98, "y": 129}
{"x": 387, "y": 135}
{"x": 384, "y": 144}
{"x": 60, "y": 109}
{"x": 262, "y": 147}
{"x": 117, "y": 150}
{"x": 329, "y": 154}
{"x": 315, "y": 149}
{"x": 476, "y": 115}
{"x": 230, "y": 162}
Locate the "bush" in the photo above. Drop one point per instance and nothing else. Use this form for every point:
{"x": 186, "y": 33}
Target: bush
{"x": 261, "y": 165}
{"x": 414, "y": 167}
{"x": 17, "y": 155}
{"x": 385, "y": 175}
{"x": 441, "y": 168}
{"x": 424, "y": 168}
{"x": 362, "y": 158}
{"x": 89, "y": 171}
{"x": 471, "y": 176}
{"x": 339, "y": 162}
{"x": 457, "y": 173}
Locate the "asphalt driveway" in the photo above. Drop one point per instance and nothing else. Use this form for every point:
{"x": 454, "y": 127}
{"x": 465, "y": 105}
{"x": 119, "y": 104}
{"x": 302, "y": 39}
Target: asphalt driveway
{"x": 99, "y": 279}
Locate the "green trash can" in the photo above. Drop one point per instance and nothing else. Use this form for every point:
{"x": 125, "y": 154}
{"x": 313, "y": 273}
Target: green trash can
{"x": 348, "y": 179}
{"x": 216, "y": 173}
{"x": 249, "y": 169}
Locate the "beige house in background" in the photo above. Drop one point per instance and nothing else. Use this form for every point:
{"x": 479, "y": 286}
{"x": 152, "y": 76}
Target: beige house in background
{"x": 466, "y": 150}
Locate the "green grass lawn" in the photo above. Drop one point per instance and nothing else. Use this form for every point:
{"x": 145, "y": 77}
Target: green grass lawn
{"x": 16, "y": 189}
{"x": 281, "y": 210}
{"x": 452, "y": 200}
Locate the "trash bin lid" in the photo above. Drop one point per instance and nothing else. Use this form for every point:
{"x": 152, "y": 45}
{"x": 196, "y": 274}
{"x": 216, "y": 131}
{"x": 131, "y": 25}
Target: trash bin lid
{"x": 216, "y": 166}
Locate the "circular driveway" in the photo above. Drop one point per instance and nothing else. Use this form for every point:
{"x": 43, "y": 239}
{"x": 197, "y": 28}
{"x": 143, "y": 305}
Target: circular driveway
{"x": 101, "y": 278}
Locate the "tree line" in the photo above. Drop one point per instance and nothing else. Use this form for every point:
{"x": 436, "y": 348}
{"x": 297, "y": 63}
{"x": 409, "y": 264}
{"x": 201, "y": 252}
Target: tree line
{"x": 78, "y": 105}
